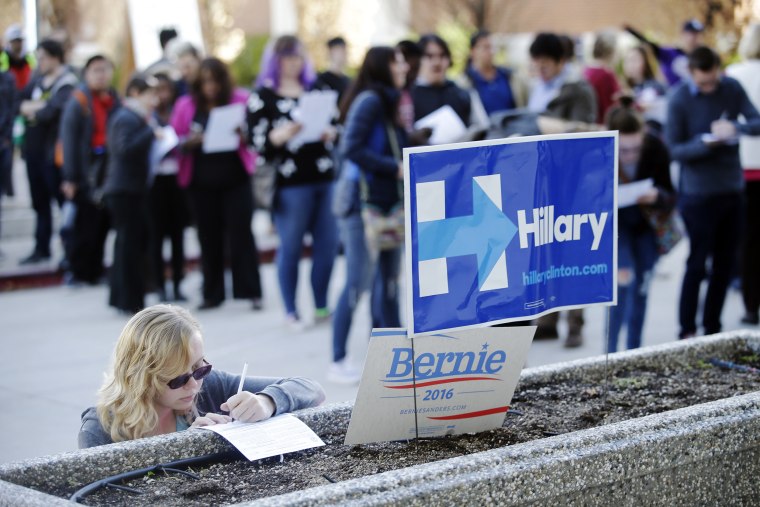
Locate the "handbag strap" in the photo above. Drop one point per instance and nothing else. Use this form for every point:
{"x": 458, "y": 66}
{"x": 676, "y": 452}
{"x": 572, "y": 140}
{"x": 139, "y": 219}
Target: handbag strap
{"x": 393, "y": 140}
{"x": 396, "y": 150}
{"x": 390, "y": 131}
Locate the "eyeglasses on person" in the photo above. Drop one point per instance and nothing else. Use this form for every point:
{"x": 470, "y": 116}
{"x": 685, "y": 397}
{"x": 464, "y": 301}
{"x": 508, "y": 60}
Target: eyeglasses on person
{"x": 198, "y": 374}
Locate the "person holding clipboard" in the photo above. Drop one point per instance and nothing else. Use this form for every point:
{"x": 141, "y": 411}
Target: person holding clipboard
{"x": 161, "y": 382}
{"x": 219, "y": 185}
{"x": 304, "y": 181}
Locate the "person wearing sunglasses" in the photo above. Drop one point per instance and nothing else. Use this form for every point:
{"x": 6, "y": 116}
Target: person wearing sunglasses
{"x": 161, "y": 382}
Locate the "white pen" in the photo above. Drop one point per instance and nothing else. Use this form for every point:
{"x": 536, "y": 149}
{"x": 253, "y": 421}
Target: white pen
{"x": 242, "y": 378}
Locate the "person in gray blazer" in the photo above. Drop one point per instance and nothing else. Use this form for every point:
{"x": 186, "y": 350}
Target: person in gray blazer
{"x": 130, "y": 138}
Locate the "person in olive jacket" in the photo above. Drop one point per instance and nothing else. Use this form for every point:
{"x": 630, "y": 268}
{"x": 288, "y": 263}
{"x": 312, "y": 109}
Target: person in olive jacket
{"x": 130, "y": 138}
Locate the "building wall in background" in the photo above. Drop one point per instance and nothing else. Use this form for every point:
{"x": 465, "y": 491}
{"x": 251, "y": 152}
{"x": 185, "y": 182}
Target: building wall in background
{"x": 234, "y": 29}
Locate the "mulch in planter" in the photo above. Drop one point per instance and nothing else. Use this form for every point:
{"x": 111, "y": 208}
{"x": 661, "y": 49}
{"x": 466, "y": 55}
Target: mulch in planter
{"x": 538, "y": 411}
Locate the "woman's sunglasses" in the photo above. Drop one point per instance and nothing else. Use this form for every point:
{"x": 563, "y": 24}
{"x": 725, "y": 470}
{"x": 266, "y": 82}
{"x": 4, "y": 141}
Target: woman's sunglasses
{"x": 198, "y": 374}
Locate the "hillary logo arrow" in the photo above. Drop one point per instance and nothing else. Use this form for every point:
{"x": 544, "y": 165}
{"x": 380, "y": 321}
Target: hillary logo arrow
{"x": 486, "y": 234}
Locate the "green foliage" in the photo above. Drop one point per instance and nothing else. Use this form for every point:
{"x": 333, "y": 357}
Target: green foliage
{"x": 120, "y": 78}
{"x": 245, "y": 67}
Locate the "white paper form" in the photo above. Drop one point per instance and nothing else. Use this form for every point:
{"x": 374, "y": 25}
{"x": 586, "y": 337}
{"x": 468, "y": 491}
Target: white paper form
{"x": 163, "y": 144}
{"x": 278, "y": 435}
{"x": 712, "y": 139}
{"x": 629, "y": 193}
{"x": 221, "y": 129}
{"x": 447, "y": 126}
{"x": 315, "y": 111}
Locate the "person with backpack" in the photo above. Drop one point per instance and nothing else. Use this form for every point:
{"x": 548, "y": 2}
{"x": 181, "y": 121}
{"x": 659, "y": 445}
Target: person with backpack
{"x": 43, "y": 102}
{"x": 83, "y": 141}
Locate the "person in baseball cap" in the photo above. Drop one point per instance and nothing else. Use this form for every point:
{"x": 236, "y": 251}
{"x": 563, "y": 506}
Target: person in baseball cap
{"x": 14, "y": 59}
{"x": 693, "y": 25}
{"x": 691, "y": 35}
{"x": 14, "y": 33}
{"x": 673, "y": 60}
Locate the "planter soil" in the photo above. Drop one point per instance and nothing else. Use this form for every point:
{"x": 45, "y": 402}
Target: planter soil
{"x": 539, "y": 410}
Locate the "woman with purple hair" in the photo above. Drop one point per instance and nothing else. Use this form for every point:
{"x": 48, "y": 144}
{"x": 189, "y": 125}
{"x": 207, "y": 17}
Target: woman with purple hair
{"x": 304, "y": 173}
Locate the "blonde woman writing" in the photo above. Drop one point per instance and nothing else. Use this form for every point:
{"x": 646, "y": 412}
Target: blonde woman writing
{"x": 161, "y": 383}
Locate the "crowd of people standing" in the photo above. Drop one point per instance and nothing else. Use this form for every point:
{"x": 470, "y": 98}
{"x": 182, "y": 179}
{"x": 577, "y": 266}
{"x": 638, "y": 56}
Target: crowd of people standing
{"x": 90, "y": 149}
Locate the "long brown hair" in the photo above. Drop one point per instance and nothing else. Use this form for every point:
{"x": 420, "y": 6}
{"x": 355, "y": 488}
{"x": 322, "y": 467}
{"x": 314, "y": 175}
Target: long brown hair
{"x": 219, "y": 73}
{"x": 651, "y": 70}
{"x": 374, "y": 74}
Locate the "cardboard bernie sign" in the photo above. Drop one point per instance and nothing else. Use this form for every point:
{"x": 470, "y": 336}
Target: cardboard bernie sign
{"x": 445, "y": 384}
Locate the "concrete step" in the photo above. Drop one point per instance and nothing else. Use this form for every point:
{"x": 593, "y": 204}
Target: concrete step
{"x": 14, "y": 247}
{"x": 18, "y": 222}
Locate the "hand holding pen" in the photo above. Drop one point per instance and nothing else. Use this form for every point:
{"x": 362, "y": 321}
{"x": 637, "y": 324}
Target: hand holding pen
{"x": 246, "y": 406}
{"x": 723, "y": 129}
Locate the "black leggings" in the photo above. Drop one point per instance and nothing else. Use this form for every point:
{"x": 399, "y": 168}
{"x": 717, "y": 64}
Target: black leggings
{"x": 130, "y": 221}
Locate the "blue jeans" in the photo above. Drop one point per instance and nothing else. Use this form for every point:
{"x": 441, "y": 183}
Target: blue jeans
{"x": 384, "y": 301}
{"x": 363, "y": 267}
{"x": 637, "y": 255}
{"x": 298, "y": 210}
{"x": 714, "y": 224}
{"x": 357, "y": 276}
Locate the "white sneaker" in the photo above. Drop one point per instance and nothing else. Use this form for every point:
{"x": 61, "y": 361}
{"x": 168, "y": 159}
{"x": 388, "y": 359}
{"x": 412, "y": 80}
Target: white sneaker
{"x": 343, "y": 372}
{"x": 294, "y": 324}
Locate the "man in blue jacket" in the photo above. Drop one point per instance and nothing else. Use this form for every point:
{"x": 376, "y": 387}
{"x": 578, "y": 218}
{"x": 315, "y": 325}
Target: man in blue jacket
{"x": 702, "y": 131}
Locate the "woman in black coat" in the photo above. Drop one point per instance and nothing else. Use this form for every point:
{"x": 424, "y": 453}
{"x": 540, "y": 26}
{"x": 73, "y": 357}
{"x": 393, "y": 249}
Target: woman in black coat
{"x": 130, "y": 137}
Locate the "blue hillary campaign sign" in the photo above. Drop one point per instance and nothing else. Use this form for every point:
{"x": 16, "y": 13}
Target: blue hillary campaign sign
{"x": 509, "y": 229}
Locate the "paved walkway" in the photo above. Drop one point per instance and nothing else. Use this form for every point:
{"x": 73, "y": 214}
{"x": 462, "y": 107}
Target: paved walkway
{"x": 57, "y": 342}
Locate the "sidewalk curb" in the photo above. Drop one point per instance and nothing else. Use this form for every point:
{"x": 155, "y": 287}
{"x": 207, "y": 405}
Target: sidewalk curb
{"x": 33, "y": 279}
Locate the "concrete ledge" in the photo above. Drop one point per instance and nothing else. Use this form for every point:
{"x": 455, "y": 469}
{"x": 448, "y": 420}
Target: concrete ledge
{"x": 706, "y": 453}
{"x": 19, "y": 496}
{"x": 683, "y": 457}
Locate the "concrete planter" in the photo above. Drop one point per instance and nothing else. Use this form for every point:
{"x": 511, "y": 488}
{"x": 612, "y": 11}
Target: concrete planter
{"x": 703, "y": 454}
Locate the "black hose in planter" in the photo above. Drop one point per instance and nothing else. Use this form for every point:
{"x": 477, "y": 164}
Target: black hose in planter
{"x": 733, "y": 366}
{"x": 171, "y": 467}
